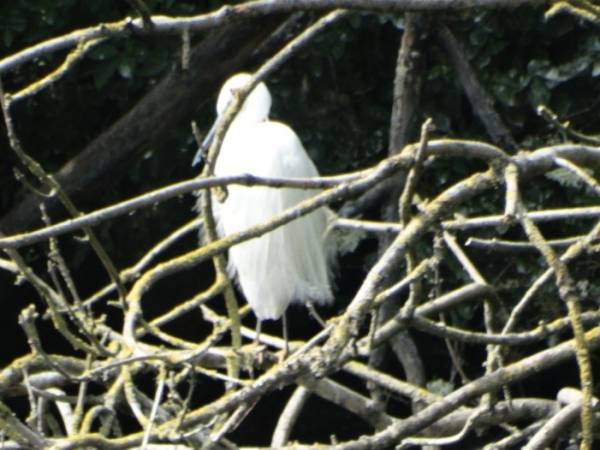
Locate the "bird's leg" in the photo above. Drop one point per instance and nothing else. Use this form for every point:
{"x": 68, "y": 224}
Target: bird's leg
{"x": 313, "y": 312}
{"x": 257, "y": 332}
{"x": 286, "y": 348}
{"x": 257, "y": 344}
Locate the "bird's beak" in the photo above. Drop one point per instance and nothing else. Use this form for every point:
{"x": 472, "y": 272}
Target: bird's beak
{"x": 205, "y": 145}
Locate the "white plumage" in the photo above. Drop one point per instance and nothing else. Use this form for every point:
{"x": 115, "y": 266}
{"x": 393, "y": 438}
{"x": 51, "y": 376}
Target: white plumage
{"x": 289, "y": 263}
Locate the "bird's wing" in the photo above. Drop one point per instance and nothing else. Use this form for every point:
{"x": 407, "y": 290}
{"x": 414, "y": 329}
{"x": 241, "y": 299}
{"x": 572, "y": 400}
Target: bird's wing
{"x": 288, "y": 263}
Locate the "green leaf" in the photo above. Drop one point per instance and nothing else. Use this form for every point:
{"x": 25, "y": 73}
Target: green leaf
{"x": 126, "y": 69}
{"x": 539, "y": 94}
{"x": 103, "y": 52}
{"x": 103, "y": 74}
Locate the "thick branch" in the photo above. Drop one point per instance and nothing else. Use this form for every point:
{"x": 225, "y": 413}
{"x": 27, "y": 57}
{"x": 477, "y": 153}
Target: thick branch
{"x": 481, "y": 101}
{"x": 169, "y": 104}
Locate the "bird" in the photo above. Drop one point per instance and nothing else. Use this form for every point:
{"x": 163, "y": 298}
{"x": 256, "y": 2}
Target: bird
{"x": 292, "y": 262}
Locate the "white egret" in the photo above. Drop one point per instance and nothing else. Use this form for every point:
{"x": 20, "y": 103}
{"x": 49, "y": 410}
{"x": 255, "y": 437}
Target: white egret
{"x": 289, "y": 263}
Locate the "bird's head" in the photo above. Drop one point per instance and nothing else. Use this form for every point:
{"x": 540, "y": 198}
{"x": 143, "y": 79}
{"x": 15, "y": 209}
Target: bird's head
{"x": 257, "y": 105}
{"x": 255, "y": 108}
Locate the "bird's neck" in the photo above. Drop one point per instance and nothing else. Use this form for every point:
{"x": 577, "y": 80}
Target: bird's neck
{"x": 245, "y": 120}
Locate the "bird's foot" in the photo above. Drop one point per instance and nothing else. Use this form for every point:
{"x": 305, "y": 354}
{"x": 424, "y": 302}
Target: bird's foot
{"x": 313, "y": 312}
{"x": 283, "y": 354}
